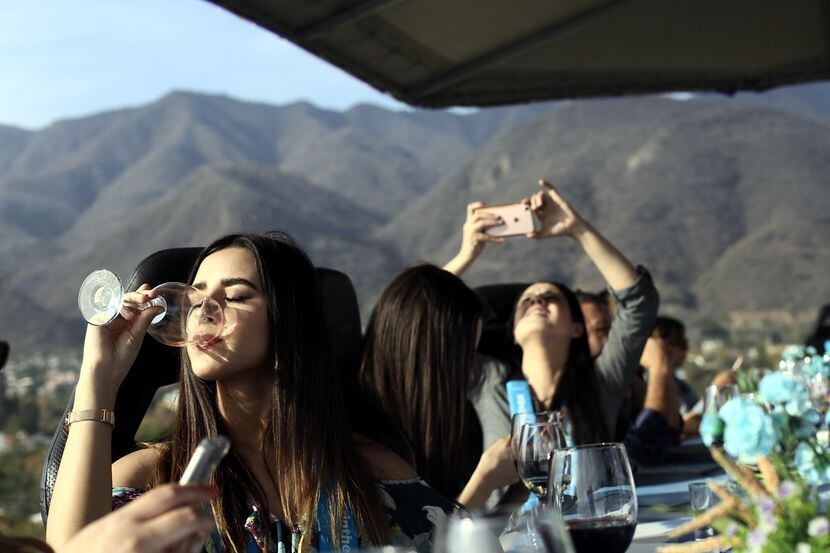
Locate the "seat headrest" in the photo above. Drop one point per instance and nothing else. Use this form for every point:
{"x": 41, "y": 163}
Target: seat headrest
{"x": 4, "y": 354}
{"x": 497, "y": 332}
{"x": 821, "y": 330}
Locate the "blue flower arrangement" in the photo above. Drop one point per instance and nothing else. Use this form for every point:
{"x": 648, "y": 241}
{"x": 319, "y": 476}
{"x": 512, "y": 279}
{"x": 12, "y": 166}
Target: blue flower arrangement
{"x": 775, "y": 429}
{"x": 778, "y": 421}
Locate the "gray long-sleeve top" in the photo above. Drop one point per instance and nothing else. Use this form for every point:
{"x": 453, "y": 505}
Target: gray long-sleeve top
{"x": 616, "y": 365}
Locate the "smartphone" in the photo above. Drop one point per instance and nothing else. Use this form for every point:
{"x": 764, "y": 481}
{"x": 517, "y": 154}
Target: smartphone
{"x": 205, "y": 460}
{"x": 518, "y": 219}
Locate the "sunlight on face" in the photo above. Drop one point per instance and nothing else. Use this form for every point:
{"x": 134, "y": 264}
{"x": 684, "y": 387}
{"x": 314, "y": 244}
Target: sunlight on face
{"x": 542, "y": 310}
{"x": 230, "y": 277}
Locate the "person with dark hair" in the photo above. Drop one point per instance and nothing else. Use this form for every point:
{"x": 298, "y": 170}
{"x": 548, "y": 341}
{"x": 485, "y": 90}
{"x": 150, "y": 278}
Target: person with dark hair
{"x": 417, "y": 365}
{"x": 549, "y": 328}
{"x": 673, "y": 333}
{"x": 597, "y": 314}
{"x": 658, "y": 418}
{"x": 296, "y": 476}
{"x": 664, "y": 412}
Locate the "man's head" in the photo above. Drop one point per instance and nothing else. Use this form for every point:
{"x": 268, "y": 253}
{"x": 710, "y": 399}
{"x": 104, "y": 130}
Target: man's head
{"x": 597, "y": 315}
{"x": 673, "y": 332}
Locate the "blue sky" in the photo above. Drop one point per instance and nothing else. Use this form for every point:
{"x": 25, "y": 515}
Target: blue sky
{"x": 70, "y": 58}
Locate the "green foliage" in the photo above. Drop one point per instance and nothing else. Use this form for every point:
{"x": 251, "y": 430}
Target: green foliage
{"x": 20, "y": 467}
{"x": 792, "y": 523}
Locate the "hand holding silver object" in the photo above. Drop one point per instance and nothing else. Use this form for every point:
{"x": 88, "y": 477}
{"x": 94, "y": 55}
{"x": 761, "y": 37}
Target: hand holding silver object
{"x": 204, "y": 461}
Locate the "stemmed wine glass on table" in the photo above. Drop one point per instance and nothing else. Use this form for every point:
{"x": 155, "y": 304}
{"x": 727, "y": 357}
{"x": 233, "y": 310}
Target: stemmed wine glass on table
{"x": 536, "y": 442}
{"x": 593, "y": 488}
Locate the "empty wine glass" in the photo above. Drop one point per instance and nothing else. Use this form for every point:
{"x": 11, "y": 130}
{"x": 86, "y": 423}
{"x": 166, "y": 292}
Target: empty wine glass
{"x": 462, "y": 533}
{"x": 593, "y": 489}
{"x": 715, "y": 397}
{"x": 520, "y": 419}
{"x": 537, "y": 440}
{"x": 188, "y": 316}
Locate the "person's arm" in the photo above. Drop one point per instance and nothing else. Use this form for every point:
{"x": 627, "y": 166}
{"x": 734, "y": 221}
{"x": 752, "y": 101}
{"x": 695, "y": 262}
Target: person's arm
{"x": 473, "y": 238}
{"x": 83, "y": 486}
{"x": 633, "y": 289}
{"x": 494, "y": 470}
{"x": 166, "y": 517}
{"x": 558, "y": 218}
{"x": 661, "y": 393}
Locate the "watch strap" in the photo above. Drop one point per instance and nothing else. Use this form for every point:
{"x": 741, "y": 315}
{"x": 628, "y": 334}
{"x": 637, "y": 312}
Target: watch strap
{"x": 98, "y": 415}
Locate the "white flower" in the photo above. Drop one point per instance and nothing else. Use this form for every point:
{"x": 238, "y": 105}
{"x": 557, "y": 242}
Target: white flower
{"x": 803, "y": 548}
{"x": 818, "y": 527}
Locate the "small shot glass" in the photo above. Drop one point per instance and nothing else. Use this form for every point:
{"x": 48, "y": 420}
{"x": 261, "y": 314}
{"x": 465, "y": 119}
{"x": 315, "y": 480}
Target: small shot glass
{"x": 700, "y": 499}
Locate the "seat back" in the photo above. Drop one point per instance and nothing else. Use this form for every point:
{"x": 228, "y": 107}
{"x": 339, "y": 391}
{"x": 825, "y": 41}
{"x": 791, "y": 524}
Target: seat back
{"x": 821, "y": 330}
{"x": 4, "y": 354}
{"x": 158, "y": 365}
{"x": 497, "y": 332}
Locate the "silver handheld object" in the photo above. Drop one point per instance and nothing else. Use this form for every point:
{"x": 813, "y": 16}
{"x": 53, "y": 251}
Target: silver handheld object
{"x": 205, "y": 460}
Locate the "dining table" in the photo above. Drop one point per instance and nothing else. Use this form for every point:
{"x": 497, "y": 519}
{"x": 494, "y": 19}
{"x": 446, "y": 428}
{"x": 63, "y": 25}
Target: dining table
{"x": 663, "y": 493}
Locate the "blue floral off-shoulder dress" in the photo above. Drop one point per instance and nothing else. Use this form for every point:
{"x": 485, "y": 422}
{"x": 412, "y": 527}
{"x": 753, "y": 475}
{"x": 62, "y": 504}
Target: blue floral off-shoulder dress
{"x": 412, "y": 507}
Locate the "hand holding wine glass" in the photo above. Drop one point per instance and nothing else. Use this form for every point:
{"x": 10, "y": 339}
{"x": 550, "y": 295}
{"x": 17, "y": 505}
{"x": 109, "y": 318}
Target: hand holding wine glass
{"x": 537, "y": 441}
{"x": 114, "y": 347}
{"x": 174, "y": 313}
{"x": 520, "y": 419}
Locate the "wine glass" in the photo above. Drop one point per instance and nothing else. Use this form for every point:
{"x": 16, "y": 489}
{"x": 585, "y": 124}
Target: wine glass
{"x": 594, "y": 491}
{"x": 715, "y": 397}
{"x": 489, "y": 533}
{"x": 537, "y": 440}
{"x": 188, "y": 316}
{"x": 520, "y": 419}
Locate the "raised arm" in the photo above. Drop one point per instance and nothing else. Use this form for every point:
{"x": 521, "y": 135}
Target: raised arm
{"x": 558, "y": 218}
{"x": 83, "y": 486}
{"x": 473, "y": 238}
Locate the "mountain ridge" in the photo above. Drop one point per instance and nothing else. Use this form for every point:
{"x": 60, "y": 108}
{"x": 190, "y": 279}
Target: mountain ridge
{"x": 719, "y": 199}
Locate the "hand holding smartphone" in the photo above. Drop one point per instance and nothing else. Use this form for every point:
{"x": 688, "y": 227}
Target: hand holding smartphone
{"x": 204, "y": 461}
{"x": 518, "y": 219}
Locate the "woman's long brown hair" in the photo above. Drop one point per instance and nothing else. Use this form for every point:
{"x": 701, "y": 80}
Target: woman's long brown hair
{"x": 416, "y": 365}
{"x": 307, "y": 444}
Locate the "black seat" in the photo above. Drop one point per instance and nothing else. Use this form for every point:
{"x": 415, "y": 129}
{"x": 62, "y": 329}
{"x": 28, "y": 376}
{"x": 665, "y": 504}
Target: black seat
{"x": 821, "y": 330}
{"x": 497, "y": 332}
{"x": 4, "y": 354}
{"x": 157, "y": 365}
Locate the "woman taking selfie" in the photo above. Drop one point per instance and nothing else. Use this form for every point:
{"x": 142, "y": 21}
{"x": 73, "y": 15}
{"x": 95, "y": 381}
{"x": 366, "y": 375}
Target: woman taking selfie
{"x": 417, "y": 366}
{"x": 296, "y": 477}
{"x": 549, "y": 328}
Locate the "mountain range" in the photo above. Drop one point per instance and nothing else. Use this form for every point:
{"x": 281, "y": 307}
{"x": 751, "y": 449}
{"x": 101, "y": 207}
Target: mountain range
{"x": 724, "y": 200}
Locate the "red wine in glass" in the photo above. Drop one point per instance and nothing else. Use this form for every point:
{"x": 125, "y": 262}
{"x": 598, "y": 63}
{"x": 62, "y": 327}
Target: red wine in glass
{"x": 606, "y": 535}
